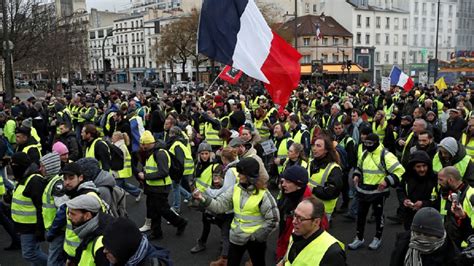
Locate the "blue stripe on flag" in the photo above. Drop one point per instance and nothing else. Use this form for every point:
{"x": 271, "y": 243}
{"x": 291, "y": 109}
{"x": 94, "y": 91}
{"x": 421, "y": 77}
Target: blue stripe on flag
{"x": 395, "y": 75}
{"x": 218, "y": 28}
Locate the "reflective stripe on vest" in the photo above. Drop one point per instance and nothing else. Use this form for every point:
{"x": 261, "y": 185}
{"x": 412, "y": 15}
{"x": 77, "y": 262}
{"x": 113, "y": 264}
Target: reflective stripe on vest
{"x": 410, "y": 136}
{"x": 205, "y": 180}
{"x": 23, "y": 209}
{"x": 319, "y": 179}
{"x": 314, "y": 252}
{"x": 71, "y": 240}
{"x": 379, "y": 130}
{"x": 247, "y": 217}
{"x": 461, "y": 166}
{"x": 49, "y": 209}
{"x": 188, "y": 157}
{"x": 89, "y": 253}
{"x": 152, "y": 167}
{"x": 468, "y": 145}
{"x": 282, "y": 152}
{"x": 298, "y": 136}
{"x": 2, "y": 186}
{"x": 212, "y": 135}
{"x": 36, "y": 146}
{"x": 263, "y": 132}
{"x": 90, "y": 151}
{"x": 301, "y": 163}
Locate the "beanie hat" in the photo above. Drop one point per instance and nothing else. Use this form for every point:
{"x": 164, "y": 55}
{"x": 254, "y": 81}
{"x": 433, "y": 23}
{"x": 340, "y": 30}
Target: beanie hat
{"x": 21, "y": 159}
{"x": 147, "y": 138}
{"x": 121, "y": 231}
{"x": 71, "y": 169}
{"x": 52, "y": 164}
{"x": 450, "y": 145}
{"x": 428, "y": 221}
{"x": 372, "y": 137}
{"x": 27, "y": 123}
{"x": 23, "y": 130}
{"x": 60, "y": 148}
{"x": 85, "y": 202}
{"x": 296, "y": 174}
{"x": 204, "y": 146}
{"x": 89, "y": 168}
{"x": 248, "y": 167}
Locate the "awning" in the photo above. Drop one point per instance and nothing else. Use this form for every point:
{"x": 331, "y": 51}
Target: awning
{"x": 332, "y": 69}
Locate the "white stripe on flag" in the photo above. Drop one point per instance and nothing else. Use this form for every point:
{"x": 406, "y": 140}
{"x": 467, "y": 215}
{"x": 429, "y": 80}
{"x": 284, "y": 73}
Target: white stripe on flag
{"x": 402, "y": 80}
{"x": 253, "y": 43}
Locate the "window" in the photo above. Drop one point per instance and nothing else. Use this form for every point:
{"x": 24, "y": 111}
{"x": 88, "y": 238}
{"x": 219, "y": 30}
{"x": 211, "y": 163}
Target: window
{"x": 325, "y": 58}
{"x": 450, "y": 10}
{"x": 449, "y": 41}
{"x": 395, "y": 39}
{"x": 132, "y": 25}
{"x": 395, "y": 57}
{"x": 415, "y": 40}
{"x": 433, "y": 9}
{"x": 377, "y": 57}
{"x": 387, "y": 57}
{"x": 423, "y": 40}
{"x": 346, "y": 42}
{"x": 404, "y": 55}
{"x": 432, "y": 41}
{"x": 359, "y": 18}
{"x": 404, "y": 39}
{"x": 306, "y": 59}
{"x": 405, "y": 23}
{"x": 325, "y": 41}
{"x": 133, "y": 37}
{"x": 336, "y": 41}
{"x": 416, "y": 7}
{"x": 377, "y": 22}
{"x": 377, "y": 38}
{"x": 335, "y": 58}
{"x": 100, "y": 34}
{"x": 423, "y": 24}
{"x": 395, "y": 22}
{"x": 367, "y": 39}
{"x": 306, "y": 41}
{"x": 315, "y": 9}
{"x": 367, "y": 22}
{"x": 358, "y": 38}
{"x": 92, "y": 35}
{"x": 387, "y": 39}
{"x": 423, "y": 8}
{"x": 306, "y": 8}
{"x": 387, "y": 25}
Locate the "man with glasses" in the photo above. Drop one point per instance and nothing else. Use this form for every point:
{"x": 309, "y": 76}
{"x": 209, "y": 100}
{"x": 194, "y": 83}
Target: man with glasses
{"x": 309, "y": 243}
{"x": 377, "y": 169}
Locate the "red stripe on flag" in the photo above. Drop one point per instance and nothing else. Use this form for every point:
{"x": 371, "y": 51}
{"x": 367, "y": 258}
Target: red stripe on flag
{"x": 282, "y": 69}
{"x": 409, "y": 85}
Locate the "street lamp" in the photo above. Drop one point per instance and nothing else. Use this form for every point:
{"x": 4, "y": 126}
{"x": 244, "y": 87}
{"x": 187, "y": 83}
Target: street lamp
{"x": 96, "y": 56}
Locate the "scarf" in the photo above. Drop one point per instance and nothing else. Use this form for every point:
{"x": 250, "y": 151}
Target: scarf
{"x": 140, "y": 254}
{"x": 421, "y": 245}
{"x": 87, "y": 228}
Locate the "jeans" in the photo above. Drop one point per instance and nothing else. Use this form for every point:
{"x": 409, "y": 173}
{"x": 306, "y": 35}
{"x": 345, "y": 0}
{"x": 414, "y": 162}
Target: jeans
{"x": 56, "y": 255}
{"x": 31, "y": 251}
{"x": 7, "y": 223}
{"x": 133, "y": 190}
{"x": 8, "y": 184}
{"x": 178, "y": 190}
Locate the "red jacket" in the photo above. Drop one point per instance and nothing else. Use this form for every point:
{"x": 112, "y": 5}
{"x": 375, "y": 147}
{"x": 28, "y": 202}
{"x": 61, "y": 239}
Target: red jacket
{"x": 284, "y": 239}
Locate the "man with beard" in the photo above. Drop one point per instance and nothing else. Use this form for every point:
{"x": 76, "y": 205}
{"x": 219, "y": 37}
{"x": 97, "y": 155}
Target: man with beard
{"x": 69, "y": 139}
{"x": 27, "y": 144}
{"x": 456, "y": 124}
{"x": 452, "y": 153}
{"x": 425, "y": 143}
{"x": 416, "y": 188}
{"x": 411, "y": 140}
{"x": 26, "y": 207}
{"x": 294, "y": 187}
{"x": 95, "y": 147}
{"x": 89, "y": 222}
{"x": 457, "y": 199}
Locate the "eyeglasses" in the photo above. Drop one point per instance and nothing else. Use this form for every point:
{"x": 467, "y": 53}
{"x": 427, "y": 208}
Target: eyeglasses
{"x": 300, "y": 219}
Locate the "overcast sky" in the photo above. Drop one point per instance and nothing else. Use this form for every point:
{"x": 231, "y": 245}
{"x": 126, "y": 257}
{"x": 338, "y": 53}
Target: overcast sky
{"x": 111, "y": 5}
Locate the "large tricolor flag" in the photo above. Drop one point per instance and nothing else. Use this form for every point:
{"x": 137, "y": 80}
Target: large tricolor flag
{"x": 235, "y": 33}
{"x": 398, "y": 78}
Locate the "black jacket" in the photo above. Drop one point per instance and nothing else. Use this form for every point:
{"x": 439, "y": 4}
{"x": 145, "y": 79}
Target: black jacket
{"x": 101, "y": 153}
{"x": 333, "y": 185}
{"x": 33, "y": 153}
{"x": 455, "y": 127}
{"x": 69, "y": 139}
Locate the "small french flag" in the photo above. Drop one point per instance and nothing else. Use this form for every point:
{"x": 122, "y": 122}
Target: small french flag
{"x": 319, "y": 36}
{"x": 235, "y": 33}
{"x": 398, "y": 78}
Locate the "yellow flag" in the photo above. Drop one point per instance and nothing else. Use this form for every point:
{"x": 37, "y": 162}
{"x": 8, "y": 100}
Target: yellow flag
{"x": 440, "y": 84}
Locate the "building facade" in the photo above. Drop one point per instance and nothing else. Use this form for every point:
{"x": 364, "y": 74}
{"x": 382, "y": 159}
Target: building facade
{"x": 465, "y": 25}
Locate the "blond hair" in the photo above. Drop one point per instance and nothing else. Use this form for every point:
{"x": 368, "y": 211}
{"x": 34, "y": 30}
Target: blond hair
{"x": 122, "y": 136}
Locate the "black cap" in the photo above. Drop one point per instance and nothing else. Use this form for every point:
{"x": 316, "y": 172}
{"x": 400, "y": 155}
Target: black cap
{"x": 248, "y": 167}
{"x": 21, "y": 159}
{"x": 71, "y": 169}
{"x": 23, "y": 130}
{"x": 407, "y": 117}
{"x": 428, "y": 221}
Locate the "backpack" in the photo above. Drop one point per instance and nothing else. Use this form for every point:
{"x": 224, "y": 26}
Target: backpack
{"x": 343, "y": 157}
{"x": 176, "y": 167}
{"x": 117, "y": 157}
{"x": 118, "y": 208}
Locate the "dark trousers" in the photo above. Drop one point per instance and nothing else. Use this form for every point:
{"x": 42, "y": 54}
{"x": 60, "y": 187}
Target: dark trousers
{"x": 157, "y": 206}
{"x": 7, "y": 223}
{"x": 363, "y": 209}
{"x": 255, "y": 249}
{"x": 221, "y": 220}
{"x": 345, "y": 188}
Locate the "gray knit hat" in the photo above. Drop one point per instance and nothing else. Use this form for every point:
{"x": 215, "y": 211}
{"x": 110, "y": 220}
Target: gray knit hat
{"x": 450, "y": 145}
{"x": 204, "y": 146}
{"x": 428, "y": 221}
{"x": 27, "y": 123}
{"x": 85, "y": 202}
{"x": 52, "y": 164}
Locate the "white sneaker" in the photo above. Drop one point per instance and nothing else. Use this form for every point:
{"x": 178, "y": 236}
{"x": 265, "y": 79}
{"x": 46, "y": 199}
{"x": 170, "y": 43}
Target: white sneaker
{"x": 375, "y": 244}
{"x": 139, "y": 197}
{"x": 357, "y": 243}
{"x": 146, "y": 226}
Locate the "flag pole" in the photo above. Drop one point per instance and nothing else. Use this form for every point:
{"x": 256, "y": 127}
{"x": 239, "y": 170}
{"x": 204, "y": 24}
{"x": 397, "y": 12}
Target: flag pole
{"x": 212, "y": 84}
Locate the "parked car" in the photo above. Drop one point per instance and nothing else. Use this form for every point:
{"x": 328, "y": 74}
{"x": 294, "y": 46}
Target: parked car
{"x": 179, "y": 85}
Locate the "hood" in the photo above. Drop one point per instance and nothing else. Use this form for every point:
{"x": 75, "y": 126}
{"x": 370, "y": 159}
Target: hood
{"x": 104, "y": 179}
{"x": 460, "y": 154}
{"x": 251, "y": 152}
{"x": 419, "y": 157}
{"x": 89, "y": 185}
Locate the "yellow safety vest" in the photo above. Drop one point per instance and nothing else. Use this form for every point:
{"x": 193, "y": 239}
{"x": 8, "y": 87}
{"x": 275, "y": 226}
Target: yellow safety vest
{"x": 254, "y": 104}
{"x": 107, "y": 120}
{"x": 298, "y": 136}
{"x": 71, "y": 240}
{"x": 88, "y": 254}
{"x": 468, "y": 145}
{"x": 126, "y": 172}
{"x": 301, "y": 163}
{"x": 152, "y": 167}
{"x": 48, "y": 207}
{"x": 379, "y": 130}
{"x": 410, "y": 136}
{"x": 263, "y": 132}
{"x": 461, "y": 166}
{"x": 82, "y": 111}
{"x": 282, "y": 152}
{"x": 247, "y": 218}
{"x": 188, "y": 157}
{"x": 90, "y": 151}
{"x": 31, "y": 146}
{"x": 23, "y": 209}
{"x": 212, "y": 135}
{"x": 35, "y": 135}
{"x": 467, "y": 206}
{"x": 205, "y": 180}
{"x": 314, "y": 252}
{"x": 319, "y": 179}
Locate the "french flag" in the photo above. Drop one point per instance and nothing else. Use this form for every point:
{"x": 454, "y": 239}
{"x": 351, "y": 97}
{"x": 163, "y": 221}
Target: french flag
{"x": 398, "y": 78}
{"x": 235, "y": 33}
